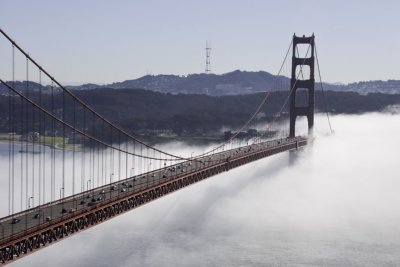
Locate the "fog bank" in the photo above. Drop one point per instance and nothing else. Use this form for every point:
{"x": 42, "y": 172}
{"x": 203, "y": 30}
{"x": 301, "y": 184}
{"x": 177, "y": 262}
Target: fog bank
{"x": 337, "y": 205}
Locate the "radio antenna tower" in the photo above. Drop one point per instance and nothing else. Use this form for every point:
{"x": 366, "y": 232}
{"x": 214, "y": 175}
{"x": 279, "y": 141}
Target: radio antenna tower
{"x": 208, "y": 51}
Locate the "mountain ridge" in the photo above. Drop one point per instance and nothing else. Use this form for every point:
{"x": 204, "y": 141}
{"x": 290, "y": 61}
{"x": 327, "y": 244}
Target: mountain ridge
{"x": 232, "y": 83}
{"x": 236, "y": 83}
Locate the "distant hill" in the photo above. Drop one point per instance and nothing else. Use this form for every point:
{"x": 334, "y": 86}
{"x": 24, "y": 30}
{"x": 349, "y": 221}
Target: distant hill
{"x": 232, "y": 83}
{"x": 237, "y": 83}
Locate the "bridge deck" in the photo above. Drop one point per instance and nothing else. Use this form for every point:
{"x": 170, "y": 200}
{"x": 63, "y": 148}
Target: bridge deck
{"x": 30, "y": 230}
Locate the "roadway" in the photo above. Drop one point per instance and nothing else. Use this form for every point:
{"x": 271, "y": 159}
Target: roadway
{"x": 44, "y": 215}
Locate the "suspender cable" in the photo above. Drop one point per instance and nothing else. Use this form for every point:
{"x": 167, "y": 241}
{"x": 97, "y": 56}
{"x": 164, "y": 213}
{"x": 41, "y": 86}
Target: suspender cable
{"x": 26, "y": 139}
{"x": 98, "y": 164}
{"x": 52, "y": 144}
{"x": 22, "y": 157}
{"x": 119, "y": 156}
{"x": 83, "y": 155}
{"x": 27, "y": 136}
{"x": 322, "y": 89}
{"x": 126, "y": 159}
{"x": 73, "y": 148}
{"x": 63, "y": 148}
{"x": 34, "y": 140}
{"x": 41, "y": 133}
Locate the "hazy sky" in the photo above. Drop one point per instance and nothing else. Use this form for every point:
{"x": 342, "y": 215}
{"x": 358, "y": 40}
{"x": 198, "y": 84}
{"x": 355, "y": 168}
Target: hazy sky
{"x": 105, "y": 41}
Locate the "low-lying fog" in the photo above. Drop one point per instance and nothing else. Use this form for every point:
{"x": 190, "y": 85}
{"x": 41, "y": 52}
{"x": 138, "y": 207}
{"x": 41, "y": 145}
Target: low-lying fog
{"x": 337, "y": 205}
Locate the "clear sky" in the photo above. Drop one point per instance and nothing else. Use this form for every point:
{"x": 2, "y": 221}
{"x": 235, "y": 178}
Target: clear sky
{"x": 105, "y": 41}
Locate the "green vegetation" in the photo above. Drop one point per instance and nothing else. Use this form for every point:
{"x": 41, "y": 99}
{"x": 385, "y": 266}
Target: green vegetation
{"x": 147, "y": 112}
{"x": 156, "y": 116}
{"x": 56, "y": 141}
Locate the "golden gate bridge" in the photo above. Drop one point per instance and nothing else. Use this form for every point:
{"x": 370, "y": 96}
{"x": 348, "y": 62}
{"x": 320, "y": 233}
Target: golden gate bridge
{"x": 70, "y": 168}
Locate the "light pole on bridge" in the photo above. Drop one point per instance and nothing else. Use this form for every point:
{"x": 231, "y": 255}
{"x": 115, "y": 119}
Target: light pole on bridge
{"x": 191, "y": 161}
{"x": 2, "y": 231}
{"x": 29, "y": 202}
{"x": 111, "y": 177}
{"x": 61, "y": 192}
{"x": 88, "y": 184}
{"x": 148, "y": 178}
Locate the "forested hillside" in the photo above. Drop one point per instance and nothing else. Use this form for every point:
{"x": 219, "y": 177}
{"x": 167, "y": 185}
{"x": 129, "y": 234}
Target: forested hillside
{"x": 143, "y": 111}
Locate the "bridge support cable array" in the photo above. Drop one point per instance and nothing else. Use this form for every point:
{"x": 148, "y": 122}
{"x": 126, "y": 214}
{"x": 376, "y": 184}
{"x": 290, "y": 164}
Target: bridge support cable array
{"x": 69, "y": 168}
{"x": 85, "y": 107}
{"x": 89, "y": 142}
{"x": 22, "y": 243}
{"x": 83, "y": 104}
{"x": 295, "y": 82}
{"x": 258, "y": 108}
{"x": 102, "y": 120}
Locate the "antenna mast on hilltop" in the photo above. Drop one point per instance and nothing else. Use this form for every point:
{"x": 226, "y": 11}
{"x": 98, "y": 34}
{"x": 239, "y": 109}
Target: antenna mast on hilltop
{"x": 208, "y": 51}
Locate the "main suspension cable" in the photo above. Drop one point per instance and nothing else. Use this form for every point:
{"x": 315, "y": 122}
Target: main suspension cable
{"x": 257, "y": 110}
{"x": 81, "y": 102}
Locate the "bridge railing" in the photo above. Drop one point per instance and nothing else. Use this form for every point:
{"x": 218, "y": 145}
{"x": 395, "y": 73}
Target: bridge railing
{"x": 146, "y": 174}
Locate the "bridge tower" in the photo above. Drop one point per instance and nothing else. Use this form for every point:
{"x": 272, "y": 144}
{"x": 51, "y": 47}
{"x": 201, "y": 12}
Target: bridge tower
{"x": 302, "y": 83}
